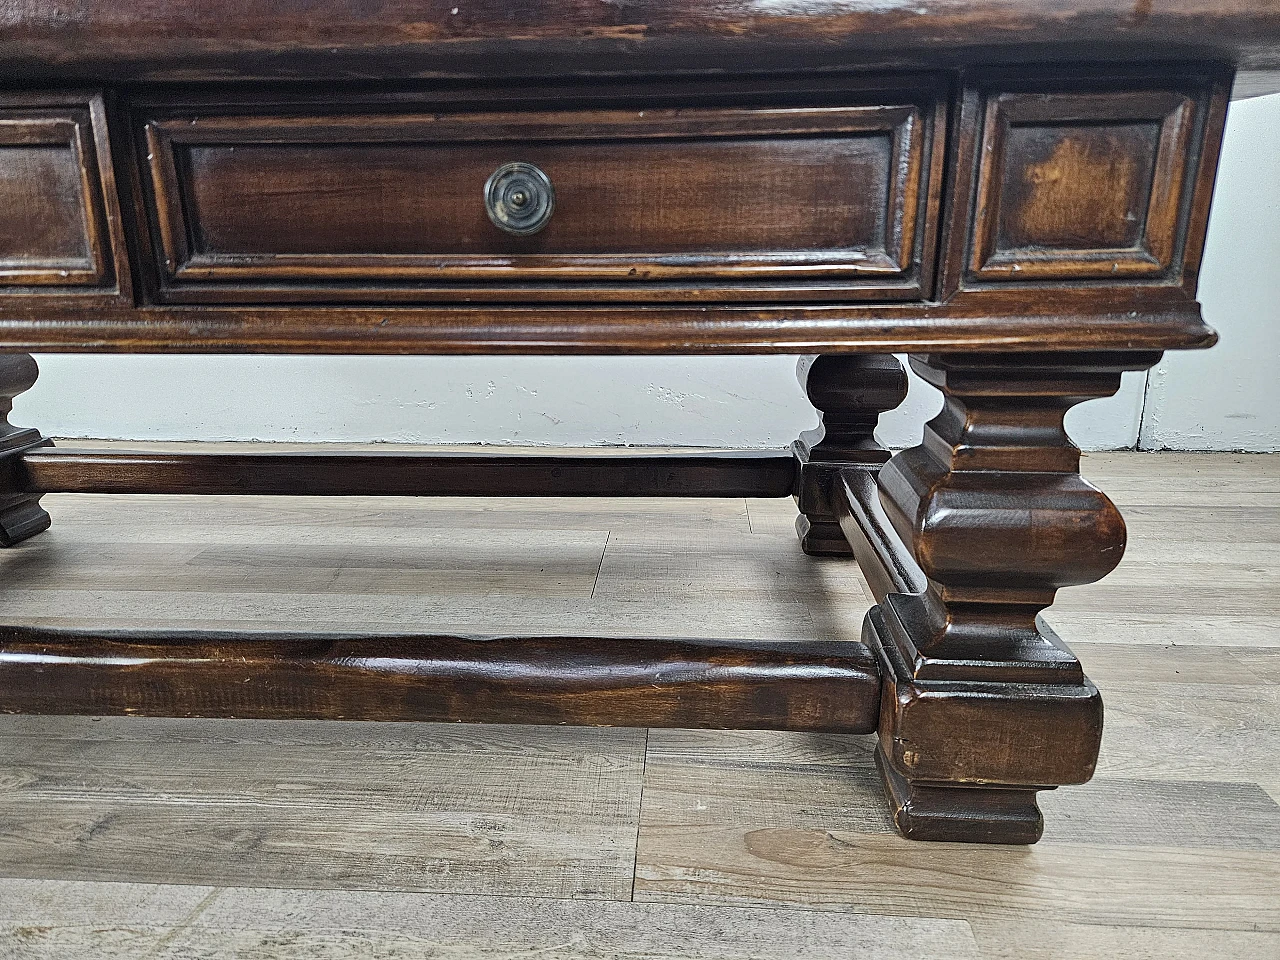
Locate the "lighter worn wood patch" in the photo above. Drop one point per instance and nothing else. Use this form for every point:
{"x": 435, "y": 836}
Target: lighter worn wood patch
{"x": 1059, "y": 204}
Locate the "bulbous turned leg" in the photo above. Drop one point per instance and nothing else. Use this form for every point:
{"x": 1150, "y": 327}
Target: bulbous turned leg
{"x": 982, "y": 705}
{"x": 21, "y": 515}
{"x": 850, "y": 392}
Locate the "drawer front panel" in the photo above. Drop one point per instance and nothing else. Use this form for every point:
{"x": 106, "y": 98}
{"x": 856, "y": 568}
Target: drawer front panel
{"x": 279, "y": 201}
{"x": 766, "y": 203}
{"x": 55, "y": 235}
{"x": 1085, "y": 184}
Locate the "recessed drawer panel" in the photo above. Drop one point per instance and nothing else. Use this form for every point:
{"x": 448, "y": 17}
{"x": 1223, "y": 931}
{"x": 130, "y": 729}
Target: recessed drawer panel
{"x": 55, "y": 236}
{"x": 642, "y": 204}
{"x": 1089, "y": 184}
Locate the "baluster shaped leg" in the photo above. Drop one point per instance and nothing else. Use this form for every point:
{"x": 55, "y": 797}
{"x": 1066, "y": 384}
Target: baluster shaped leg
{"x": 20, "y": 513}
{"x": 850, "y": 392}
{"x": 982, "y": 704}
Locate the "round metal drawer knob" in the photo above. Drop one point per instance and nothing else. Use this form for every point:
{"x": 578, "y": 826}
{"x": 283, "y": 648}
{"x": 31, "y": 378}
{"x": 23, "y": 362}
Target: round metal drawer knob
{"x": 519, "y": 198}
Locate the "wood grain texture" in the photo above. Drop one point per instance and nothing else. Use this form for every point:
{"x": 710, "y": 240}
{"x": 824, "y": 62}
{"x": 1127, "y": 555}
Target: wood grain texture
{"x": 282, "y": 563}
{"x": 771, "y": 214}
{"x": 1017, "y": 940}
{"x": 987, "y": 320}
{"x": 45, "y": 240}
{"x": 553, "y": 680}
{"x": 735, "y": 823}
{"x": 996, "y": 467}
{"x": 390, "y": 472}
{"x": 969, "y": 536}
{"x": 62, "y": 237}
{"x": 268, "y": 217}
{"x": 339, "y": 38}
{"x": 775, "y": 201}
{"x": 882, "y": 556}
{"x": 1098, "y": 179}
{"x": 1084, "y": 185}
{"x": 58, "y": 919}
{"x": 413, "y": 807}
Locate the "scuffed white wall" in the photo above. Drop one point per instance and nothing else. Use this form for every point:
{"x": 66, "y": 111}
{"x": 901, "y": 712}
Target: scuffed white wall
{"x": 1226, "y": 398}
{"x": 706, "y": 401}
{"x": 568, "y": 401}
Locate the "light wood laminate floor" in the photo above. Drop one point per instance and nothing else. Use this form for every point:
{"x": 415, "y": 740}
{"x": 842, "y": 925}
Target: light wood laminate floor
{"x": 153, "y": 838}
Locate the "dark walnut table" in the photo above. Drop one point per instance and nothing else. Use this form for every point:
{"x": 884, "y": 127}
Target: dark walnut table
{"x": 1013, "y": 193}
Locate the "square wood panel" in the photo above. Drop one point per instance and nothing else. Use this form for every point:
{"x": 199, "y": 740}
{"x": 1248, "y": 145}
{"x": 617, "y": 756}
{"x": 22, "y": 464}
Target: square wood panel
{"x": 55, "y": 233}
{"x": 1081, "y": 185}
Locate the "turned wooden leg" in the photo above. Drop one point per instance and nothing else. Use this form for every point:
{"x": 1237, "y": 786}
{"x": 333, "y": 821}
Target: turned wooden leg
{"x": 20, "y": 513}
{"x": 850, "y": 392}
{"x": 982, "y": 704}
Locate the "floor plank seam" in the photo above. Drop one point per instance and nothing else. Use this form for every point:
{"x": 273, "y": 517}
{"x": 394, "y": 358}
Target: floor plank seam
{"x": 600, "y": 566}
{"x": 635, "y": 857}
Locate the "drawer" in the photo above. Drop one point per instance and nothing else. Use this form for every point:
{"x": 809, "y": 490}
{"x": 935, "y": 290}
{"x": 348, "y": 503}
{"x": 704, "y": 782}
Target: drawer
{"x": 59, "y": 232}
{"x": 770, "y": 202}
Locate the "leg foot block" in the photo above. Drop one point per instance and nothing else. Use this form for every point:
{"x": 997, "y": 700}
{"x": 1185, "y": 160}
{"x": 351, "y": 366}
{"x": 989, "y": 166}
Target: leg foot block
{"x": 923, "y": 811}
{"x": 822, "y": 538}
{"x": 20, "y": 519}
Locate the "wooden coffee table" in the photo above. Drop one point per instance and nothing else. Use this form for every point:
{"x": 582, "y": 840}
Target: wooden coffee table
{"x": 1013, "y": 193}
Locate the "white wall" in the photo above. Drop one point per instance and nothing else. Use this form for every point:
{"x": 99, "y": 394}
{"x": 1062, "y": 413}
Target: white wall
{"x": 1227, "y": 398}
{"x": 688, "y": 401}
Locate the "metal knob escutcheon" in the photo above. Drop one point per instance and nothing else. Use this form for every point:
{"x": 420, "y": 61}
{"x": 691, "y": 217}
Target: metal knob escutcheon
{"x": 519, "y": 198}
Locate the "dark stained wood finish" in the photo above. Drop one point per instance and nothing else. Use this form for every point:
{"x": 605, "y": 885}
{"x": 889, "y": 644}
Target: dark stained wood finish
{"x": 395, "y": 473}
{"x": 46, "y": 236}
{"x": 997, "y": 450}
{"x": 652, "y": 202}
{"x": 21, "y": 515}
{"x": 849, "y": 392}
{"x": 923, "y": 811}
{"x": 1015, "y": 192}
{"x": 991, "y": 506}
{"x": 60, "y": 233}
{"x": 779, "y": 685}
{"x": 276, "y": 280}
{"x": 1082, "y": 186}
{"x": 1069, "y": 319}
{"x": 1097, "y": 178}
{"x": 883, "y": 558}
{"x": 972, "y": 694}
{"x": 188, "y": 40}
